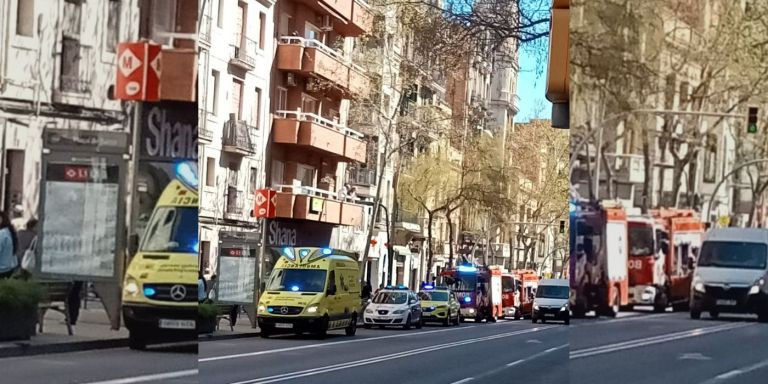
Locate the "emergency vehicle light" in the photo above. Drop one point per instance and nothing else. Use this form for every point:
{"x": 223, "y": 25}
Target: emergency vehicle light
{"x": 429, "y": 286}
{"x": 304, "y": 252}
{"x": 288, "y": 251}
{"x": 270, "y": 309}
{"x": 467, "y": 268}
{"x": 149, "y": 291}
{"x": 186, "y": 174}
{"x": 327, "y": 251}
{"x": 467, "y": 299}
{"x": 295, "y": 288}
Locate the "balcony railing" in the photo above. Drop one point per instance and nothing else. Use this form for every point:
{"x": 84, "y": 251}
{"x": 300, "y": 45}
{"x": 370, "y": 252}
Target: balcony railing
{"x": 205, "y": 29}
{"x": 75, "y": 66}
{"x": 237, "y": 136}
{"x": 203, "y": 132}
{"x": 317, "y": 119}
{"x": 244, "y": 54}
{"x": 362, "y": 176}
{"x": 234, "y": 206}
{"x": 75, "y": 84}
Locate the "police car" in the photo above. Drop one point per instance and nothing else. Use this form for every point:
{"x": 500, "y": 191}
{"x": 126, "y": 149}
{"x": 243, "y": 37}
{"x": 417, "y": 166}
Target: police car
{"x": 394, "y": 306}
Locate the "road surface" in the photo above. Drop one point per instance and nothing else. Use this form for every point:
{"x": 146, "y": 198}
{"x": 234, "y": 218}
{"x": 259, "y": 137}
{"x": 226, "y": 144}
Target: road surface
{"x": 645, "y": 347}
{"x": 165, "y": 364}
{"x": 471, "y": 353}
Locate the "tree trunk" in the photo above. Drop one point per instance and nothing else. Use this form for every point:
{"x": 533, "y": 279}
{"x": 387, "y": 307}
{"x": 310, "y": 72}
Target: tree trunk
{"x": 677, "y": 183}
{"x": 430, "y": 218}
{"x": 648, "y": 163}
{"x": 450, "y": 239}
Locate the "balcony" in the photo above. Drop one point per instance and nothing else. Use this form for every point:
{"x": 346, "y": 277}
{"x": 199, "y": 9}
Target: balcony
{"x": 359, "y": 83}
{"x": 360, "y": 22}
{"x": 205, "y": 30}
{"x": 74, "y": 69}
{"x": 407, "y": 220}
{"x": 361, "y": 176}
{"x": 203, "y": 132}
{"x": 312, "y": 131}
{"x": 311, "y": 57}
{"x": 339, "y": 10}
{"x": 244, "y": 54}
{"x": 234, "y": 205}
{"x": 313, "y": 204}
{"x": 237, "y": 138}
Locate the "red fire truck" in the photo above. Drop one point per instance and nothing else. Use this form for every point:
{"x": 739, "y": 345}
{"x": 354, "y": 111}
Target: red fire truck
{"x": 598, "y": 261}
{"x": 510, "y": 295}
{"x": 478, "y": 289}
{"x": 663, "y": 247}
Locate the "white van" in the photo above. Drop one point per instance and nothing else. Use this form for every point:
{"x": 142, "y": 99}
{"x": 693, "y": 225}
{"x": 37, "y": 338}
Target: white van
{"x": 551, "y": 301}
{"x": 730, "y": 273}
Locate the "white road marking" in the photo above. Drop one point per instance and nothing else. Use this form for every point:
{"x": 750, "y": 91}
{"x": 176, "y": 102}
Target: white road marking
{"x": 462, "y": 381}
{"x": 633, "y": 317}
{"x": 145, "y": 378}
{"x": 694, "y": 356}
{"x": 533, "y": 341}
{"x": 359, "y": 340}
{"x": 512, "y": 364}
{"x": 378, "y": 359}
{"x": 587, "y": 352}
{"x": 736, "y": 372}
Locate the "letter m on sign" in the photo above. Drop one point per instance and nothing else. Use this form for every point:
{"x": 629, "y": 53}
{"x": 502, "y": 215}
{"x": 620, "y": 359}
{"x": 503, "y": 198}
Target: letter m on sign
{"x": 264, "y": 204}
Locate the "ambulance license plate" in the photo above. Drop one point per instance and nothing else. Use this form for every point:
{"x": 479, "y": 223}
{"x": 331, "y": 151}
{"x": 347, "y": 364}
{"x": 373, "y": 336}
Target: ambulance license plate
{"x": 177, "y": 324}
{"x": 283, "y": 325}
{"x": 726, "y": 302}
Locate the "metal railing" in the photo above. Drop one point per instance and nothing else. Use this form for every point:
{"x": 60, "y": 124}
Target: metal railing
{"x": 362, "y": 176}
{"x": 237, "y": 133}
{"x": 312, "y": 43}
{"x": 317, "y": 119}
{"x": 245, "y": 52}
{"x": 76, "y": 81}
{"x": 234, "y": 206}
{"x": 317, "y": 192}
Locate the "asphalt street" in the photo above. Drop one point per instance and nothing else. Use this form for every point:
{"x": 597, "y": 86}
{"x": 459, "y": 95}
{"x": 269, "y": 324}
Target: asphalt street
{"x": 176, "y": 364}
{"x": 471, "y": 353}
{"x": 645, "y": 347}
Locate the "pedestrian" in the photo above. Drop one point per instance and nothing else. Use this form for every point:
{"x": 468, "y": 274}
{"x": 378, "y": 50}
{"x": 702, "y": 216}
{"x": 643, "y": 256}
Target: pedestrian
{"x": 73, "y": 301}
{"x": 366, "y": 294}
{"x": 233, "y": 313}
{"x": 27, "y": 242}
{"x": 8, "y": 246}
{"x": 211, "y": 288}
{"x": 202, "y": 288}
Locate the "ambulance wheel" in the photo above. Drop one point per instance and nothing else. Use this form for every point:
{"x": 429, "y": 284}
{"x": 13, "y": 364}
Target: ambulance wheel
{"x": 137, "y": 341}
{"x": 695, "y": 314}
{"x": 352, "y": 328}
{"x": 265, "y": 333}
{"x": 407, "y": 323}
{"x": 322, "y": 331}
{"x": 447, "y": 321}
{"x": 457, "y": 322}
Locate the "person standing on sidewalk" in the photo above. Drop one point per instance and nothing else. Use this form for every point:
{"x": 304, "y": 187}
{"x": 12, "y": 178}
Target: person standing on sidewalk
{"x": 73, "y": 302}
{"x": 8, "y": 247}
{"x": 26, "y": 236}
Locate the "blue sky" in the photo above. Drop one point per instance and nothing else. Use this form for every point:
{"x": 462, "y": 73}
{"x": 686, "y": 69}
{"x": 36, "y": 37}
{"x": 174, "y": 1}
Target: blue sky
{"x": 531, "y": 84}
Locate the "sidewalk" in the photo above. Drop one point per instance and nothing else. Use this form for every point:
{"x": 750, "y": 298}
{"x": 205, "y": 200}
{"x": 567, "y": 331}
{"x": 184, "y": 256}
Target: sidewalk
{"x": 92, "y": 331}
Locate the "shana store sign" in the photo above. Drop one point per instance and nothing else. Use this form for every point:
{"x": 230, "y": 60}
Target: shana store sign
{"x": 298, "y": 233}
{"x": 169, "y": 131}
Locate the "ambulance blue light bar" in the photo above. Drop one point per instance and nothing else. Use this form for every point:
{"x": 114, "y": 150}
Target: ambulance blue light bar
{"x": 467, "y": 299}
{"x": 396, "y": 287}
{"x": 288, "y": 252}
{"x": 467, "y": 268}
{"x": 149, "y": 291}
{"x": 428, "y": 286}
{"x": 327, "y": 251}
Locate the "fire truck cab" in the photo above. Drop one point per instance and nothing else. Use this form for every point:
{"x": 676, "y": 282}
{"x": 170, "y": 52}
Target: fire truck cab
{"x": 478, "y": 289}
{"x": 529, "y": 282}
{"x": 598, "y": 261}
{"x": 663, "y": 248}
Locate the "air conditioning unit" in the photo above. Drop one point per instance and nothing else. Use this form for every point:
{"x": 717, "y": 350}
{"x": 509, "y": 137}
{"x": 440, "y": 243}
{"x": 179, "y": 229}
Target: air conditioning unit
{"x": 290, "y": 80}
{"x": 327, "y": 23}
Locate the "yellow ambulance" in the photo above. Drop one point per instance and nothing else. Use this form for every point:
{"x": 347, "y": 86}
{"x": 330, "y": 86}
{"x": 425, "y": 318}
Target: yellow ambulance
{"x": 310, "y": 290}
{"x": 160, "y": 285}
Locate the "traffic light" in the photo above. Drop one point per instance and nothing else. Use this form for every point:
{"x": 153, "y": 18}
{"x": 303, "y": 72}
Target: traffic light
{"x": 562, "y": 226}
{"x": 752, "y": 120}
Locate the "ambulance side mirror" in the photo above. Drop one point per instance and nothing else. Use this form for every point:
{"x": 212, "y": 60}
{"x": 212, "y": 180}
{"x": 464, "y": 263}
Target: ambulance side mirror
{"x": 331, "y": 290}
{"x": 133, "y": 244}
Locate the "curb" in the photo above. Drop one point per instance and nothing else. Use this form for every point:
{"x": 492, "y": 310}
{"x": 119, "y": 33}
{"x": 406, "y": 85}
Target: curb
{"x": 22, "y": 349}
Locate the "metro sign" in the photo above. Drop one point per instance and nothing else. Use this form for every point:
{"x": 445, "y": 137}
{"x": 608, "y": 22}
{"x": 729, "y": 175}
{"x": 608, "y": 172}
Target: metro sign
{"x": 264, "y": 202}
{"x": 77, "y": 173}
{"x": 138, "y": 71}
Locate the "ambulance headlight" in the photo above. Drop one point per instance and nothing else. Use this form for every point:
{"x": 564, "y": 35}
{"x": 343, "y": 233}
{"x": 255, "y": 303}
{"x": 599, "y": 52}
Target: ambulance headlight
{"x": 261, "y": 308}
{"x": 131, "y": 287}
{"x": 312, "y": 309}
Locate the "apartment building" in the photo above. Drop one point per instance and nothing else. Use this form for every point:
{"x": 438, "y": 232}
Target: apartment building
{"x": 236, "y": 51}
{"x": 313, "y": 79}
{"x": 57, "y": 69}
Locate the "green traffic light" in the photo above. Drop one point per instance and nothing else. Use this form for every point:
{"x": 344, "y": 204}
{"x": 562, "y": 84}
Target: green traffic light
{"x": 752, "y": 128}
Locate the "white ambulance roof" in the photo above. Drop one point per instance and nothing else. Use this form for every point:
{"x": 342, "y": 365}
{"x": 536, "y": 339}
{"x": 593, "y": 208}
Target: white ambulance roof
{"x": 750, "y": 235}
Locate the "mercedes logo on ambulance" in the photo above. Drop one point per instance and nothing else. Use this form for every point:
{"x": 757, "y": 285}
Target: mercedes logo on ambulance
{"x": 284, "y": 310}
{"x": 178, "y": 292}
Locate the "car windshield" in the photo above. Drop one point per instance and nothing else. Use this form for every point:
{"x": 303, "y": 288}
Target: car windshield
{"x": 640, "y": 239}
{"x": 172, "y": 229}
{"x": 297, "y": 280}
{"x": 733, "y": 254}
{"x": 466, "y": 283}
{"x": 390, "y": 298}
{"x": 433, "y": 296}
{"x": 552, "y": 292}
{"x": 507, "y": 284}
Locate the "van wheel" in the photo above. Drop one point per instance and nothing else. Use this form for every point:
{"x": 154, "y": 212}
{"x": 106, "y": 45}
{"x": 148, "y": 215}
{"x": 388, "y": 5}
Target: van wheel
{"x": 695, "y": 314}
{"x": 533, "y": 320}
{"x": 137, "y": 341}
{"x": 352, "y": 328}
{"x": 322, "y": 332}
{"x": 407, "y": 323}
{"x": 568, "y": 320}
{"x": 763, "y": 317}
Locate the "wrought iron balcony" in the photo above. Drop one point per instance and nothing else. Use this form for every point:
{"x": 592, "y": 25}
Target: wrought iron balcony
{"x": 244, "y": 53}
{"x": 234, "y": 206}
{"x": 237, "y": 137}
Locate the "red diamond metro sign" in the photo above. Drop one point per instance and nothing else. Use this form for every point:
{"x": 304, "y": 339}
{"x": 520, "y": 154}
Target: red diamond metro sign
{"x": 264, "y": 204}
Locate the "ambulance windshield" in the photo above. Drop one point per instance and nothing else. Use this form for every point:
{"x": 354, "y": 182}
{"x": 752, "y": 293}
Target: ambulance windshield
{"x": 172, "y": 229}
